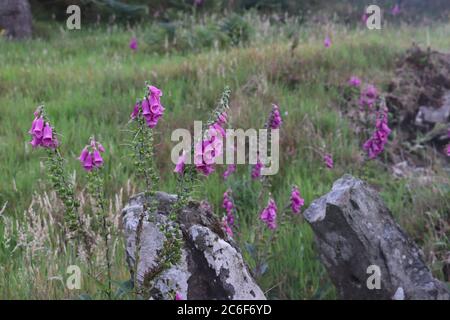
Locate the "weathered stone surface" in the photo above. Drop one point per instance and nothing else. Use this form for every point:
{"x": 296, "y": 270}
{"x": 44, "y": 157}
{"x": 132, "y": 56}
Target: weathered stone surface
{"x": 211, "y": 266}
{"x": 15, "y": 18}
{"x": 354, "y": 230}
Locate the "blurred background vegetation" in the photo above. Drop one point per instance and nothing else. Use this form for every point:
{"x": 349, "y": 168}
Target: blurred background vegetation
{"x": 134, "y": 11}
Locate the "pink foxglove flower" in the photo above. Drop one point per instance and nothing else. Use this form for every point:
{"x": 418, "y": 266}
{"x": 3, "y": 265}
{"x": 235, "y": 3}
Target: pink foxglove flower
{"x": 150, "y": 107}
{"x": 375, "y": 145}
{"x": 327, "y": 42}
{"x": 179, "y": 167}
{"x": 199, "y": 158}
{"x": 209, "y": 149}
{"x": 297, "y": 201}
{"x": 48, "y": 135}
{"x": 217, "y": 131}
{"x": 42, "y": 134}
{"x": 256, "y": 170}
{"x": 146, "y": 108}
{"x": 368, "y": 96}
{"x": 90, "y": 157}
{"x": 88, "y": 163}
{"x": 97, "y": 158}
{"x": 275, "y": 117}
{"x": 269, "y": 215}
{"x": 35, "y": 142}
{"x": 226, "y": 227}
{"x": 100, "y": 147}
{"x": 395, "y": 10}
{"x": 364, "y": 17}
{"x": 84, "y": 154}
{"x": 230, "y": 170}
{"x": 228, "y": 205}
{"x": 178, "y": 296}
{"x": 38, "y": 128}
{"x": 48, "y": 139}
{"x": 222, "y": 119}
{"x": 135, "y": 112}
{"x": 354, "y": 81}
{"x": 328, "y": 159}
{"x": 133, "y": 44}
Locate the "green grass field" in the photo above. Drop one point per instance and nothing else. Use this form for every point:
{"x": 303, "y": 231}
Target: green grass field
{"x": 89, "y": 80}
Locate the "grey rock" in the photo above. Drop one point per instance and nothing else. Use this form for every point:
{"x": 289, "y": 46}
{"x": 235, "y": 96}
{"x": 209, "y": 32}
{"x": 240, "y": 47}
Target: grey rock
{"x": 354, "y": 230}
{"x": 15, "y": 18}
{"x": 211, "y": 266}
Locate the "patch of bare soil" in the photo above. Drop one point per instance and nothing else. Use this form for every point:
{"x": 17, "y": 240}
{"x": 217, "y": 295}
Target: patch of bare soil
{"x": 418, "y": 99}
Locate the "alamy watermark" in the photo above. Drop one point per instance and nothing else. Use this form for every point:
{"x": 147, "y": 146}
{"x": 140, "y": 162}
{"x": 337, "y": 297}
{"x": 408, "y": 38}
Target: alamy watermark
{"x": 374, "y": 280}
{"x": 372, "y": 17}
{"x": 74, "y": 20}
{"x": 230, "y": 149}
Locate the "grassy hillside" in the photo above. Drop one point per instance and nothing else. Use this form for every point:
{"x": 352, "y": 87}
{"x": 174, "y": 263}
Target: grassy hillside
{"x": 89, "y": 80}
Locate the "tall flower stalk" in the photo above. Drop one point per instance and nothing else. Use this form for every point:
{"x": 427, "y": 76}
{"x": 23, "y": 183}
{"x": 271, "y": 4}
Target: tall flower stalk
{"x": 45, "y": 136}
{"x": 146, "y": 114}
{"x": 92, "y": 162}
{"x": 267, "y": 214}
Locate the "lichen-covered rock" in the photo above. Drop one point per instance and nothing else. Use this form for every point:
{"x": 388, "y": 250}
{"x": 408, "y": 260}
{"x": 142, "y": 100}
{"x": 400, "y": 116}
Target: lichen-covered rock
{"x": 355, "y": 230}
{"x": 15, "y": 18}
{"x": 211, "y": 266}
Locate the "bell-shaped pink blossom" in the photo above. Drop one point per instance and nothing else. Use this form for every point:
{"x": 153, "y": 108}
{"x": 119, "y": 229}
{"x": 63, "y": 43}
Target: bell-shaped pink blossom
{"x": 226, "y": 227}
{"x": 133, "y": 44}
{"x": 178, "y": 296}
{"x": 97, "y": 159}
{"x": 135, "y": 112}
{"x": 297, "y": 201}
{"x": 48, "y": 134}
{"x": 375, "y": 145}
{"x": 156, "y": 109}
{"x": 100, "y": 147}
{"x": 269, "y": 214}
{"x": 152, "y": 109}
{"x": 154, "y": 91}
{"x": 83, "y": 155}
{"x": 88, "y": 164}
{"x": 354, "y": 81}
{"x": 33, "y": 125}
{"x": 275, "y": 117}
{"x": 222, "y": 119}
{"x": 256, "y": 170}
{"x": 395, "y": 10}
{"x": 328, "y": 159}
{"x": 146, "y": 108}
{"x": 36, "y": 142}
{"x": 364, "y": 17}
{"x": 90, "y": 157}
{"x": 179, "y": 167}
{"x": 228, "y": 205}
{"x": 217, "y": 130}
{"x": 38, "y": 128}
{"x": 231, "y": 168}
{"x": 204, "y": 157}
